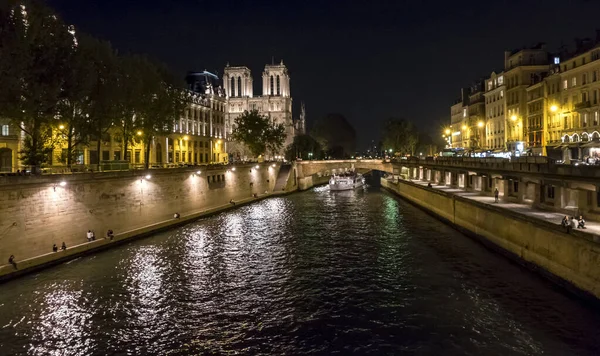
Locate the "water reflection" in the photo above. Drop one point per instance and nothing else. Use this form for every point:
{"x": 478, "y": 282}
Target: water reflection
{"x": 312, "y": 273}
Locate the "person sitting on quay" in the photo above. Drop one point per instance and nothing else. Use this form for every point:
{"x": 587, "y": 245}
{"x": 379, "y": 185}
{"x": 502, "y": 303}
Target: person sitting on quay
{"x": 176, "y": 216}
{"x": 573, "y": 223}
{"x": 110, "y": 234}
{"x": 565, "y": 222}
{"x": 231, "y": 202}
{"x": 89, "y": 235}
{"x": 11, "y": 260}
{"x": 64, "y": 246}
{"x": 429, "y": 185}
{"x": 581, "y": 224}
{"x": 54, "y": 248}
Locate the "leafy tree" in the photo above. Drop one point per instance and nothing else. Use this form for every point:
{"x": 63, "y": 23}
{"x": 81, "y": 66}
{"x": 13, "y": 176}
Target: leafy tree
{"x": 35, "y": 52}
{"x": 400, "y": 135}
{"x": 162, "y": 105}
{"x": 302, "y": 146}
{"x": 105, "y": 87}
{"x": 133, "y": 96}
{"x": 335, "y": 135}
{"x": 257, "y": 132}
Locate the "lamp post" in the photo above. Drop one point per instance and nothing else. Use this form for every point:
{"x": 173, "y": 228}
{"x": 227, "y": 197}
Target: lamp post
{"x": 310, "y": 156}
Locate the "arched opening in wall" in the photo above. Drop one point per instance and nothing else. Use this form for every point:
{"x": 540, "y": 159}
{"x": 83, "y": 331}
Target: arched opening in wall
{"x": 278, "y": 86}
{"x": 239, "y": 91}
{"x": 575, "y": 138}
{"x": 158, "y": 153}
{"x": 585, "y": 137}
{"x": 566, "y": 139}
{"x": 271, "y": 91}
{"x": 5, "y": 159}
{"x": 232, "y": 87}
{"x": 595, "y": 136}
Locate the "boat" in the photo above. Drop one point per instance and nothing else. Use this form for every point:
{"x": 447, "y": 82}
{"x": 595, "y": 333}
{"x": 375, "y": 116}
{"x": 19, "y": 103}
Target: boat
{"x": 346, "y": 181}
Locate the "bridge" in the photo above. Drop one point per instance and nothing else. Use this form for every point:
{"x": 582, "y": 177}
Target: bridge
{"x": 537, "y": 181}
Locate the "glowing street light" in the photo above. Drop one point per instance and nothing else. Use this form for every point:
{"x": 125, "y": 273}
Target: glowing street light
{"x": 464, "y": 127}
{"x": 185, "y": 138}
{"x": 553, "y": 108}
{"x": 139, "y": 133}
{"x": 63, "y": 183}
{"x": 513, "y": 118}
{"x": 447, "y": 132}
{"x": 148, "y": 176}
{"x": 62, "y": 127}
{"x": 480, "y": 124}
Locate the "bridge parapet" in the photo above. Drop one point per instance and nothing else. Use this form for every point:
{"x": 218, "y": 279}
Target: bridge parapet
{"x": 523, "y": 165}
{"x": 308, "y": 168}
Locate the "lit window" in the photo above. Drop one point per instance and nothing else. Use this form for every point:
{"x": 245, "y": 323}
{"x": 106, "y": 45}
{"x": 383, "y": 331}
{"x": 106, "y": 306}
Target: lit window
{"x": 500, "y": 80}
{"x": 573, "y": 81}
{"x": 464, "y": 112}
{"x": 556, "y": 60}
{"x": 4, "y": 130}
{"x": 565, "y": 84}
{"x": 502, "y": 93}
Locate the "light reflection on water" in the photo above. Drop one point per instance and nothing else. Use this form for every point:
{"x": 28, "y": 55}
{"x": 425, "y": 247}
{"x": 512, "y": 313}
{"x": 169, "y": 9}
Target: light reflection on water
{"x": 312, "y": 273}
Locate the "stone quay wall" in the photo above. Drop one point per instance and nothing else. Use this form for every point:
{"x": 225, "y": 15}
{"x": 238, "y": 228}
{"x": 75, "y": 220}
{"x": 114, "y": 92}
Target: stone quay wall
{"x": 38, "y": 211}
{"x": 570, "y": 260}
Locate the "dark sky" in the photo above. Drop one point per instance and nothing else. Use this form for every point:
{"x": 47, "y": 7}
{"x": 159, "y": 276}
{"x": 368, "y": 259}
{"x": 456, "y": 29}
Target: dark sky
{"x": 368, "y": 60}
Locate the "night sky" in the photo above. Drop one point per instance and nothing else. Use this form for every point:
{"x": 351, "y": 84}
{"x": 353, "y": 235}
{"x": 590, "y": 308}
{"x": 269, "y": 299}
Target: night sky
{"x": 368, "y": 60}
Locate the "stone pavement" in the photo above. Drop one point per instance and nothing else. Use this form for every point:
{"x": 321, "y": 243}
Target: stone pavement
{"x": 525, "y": 209}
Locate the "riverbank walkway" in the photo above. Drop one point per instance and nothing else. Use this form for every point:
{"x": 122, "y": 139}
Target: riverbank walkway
{"x": 592, "y": 228}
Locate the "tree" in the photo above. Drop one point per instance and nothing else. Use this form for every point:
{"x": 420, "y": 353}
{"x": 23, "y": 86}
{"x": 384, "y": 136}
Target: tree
{"x": 76, "y": 98}
{"x": 302, "y": 146}
{"x": 335, "y": 135}
{"x": 161, "y": 104}
{"x": 133, "y": 97}
{"x": 400, "y": 136}
{"x": 35, "y": 52}
{"x": 258, "y": 133}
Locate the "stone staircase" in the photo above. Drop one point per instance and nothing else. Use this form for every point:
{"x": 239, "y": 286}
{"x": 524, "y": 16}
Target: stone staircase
{"x": 282, "y": 177}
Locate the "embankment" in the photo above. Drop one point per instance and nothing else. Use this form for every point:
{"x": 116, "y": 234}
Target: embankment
{"x": 37, "y": 212}
{"x": 571, "y": 260}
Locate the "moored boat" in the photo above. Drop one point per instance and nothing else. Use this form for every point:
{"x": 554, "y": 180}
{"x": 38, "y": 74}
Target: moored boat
{"x": 346, "y": 181}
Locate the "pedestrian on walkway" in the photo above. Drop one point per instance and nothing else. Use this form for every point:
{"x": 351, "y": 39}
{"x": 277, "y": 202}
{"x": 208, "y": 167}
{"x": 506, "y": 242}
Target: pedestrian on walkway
{"x": 11, "y": 260}
{"x": 496, "y": 193}
{"x": 54, "y": 248}
{"x": 64, "y": 246}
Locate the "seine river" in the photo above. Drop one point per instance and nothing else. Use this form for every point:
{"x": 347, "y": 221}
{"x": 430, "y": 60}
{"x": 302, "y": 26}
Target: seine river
{"x": 316, "y": 272}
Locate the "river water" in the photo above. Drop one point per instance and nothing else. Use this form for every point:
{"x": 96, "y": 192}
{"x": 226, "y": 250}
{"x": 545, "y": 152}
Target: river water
{"x": 316, "y": 272}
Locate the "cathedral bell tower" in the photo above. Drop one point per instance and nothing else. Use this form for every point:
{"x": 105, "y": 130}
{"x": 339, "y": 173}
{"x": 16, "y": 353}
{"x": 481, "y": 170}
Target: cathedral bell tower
{"x": 276, "y": 80}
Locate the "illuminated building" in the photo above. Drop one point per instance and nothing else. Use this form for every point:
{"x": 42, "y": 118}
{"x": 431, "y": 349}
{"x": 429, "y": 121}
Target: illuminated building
{"x": 275, "y": 101}
{"x": 495, "y": 107}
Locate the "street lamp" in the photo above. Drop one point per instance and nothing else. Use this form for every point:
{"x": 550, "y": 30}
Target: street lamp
{"x": 553, "y": 108}
{"x": 139, "y": 133}
{"x": 62, "y": 127}
{"x": 480, "y": 124}
{"x": 447, "y": 132}
{"x": 310, "y": 155}
{"x": 513, "y": 117}
{"x": 464, "y": 127}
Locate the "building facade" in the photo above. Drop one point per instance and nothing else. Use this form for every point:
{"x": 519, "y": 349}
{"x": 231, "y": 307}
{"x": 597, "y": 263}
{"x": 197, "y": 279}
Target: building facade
{"x": 275, "y": 101}
{"x": 495, "y": 107}
{"x": 579, "y": 108}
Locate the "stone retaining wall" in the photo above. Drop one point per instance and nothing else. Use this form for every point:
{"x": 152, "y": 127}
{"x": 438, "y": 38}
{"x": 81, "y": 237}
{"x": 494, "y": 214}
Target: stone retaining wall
{"x": 36, "y": 213}
{"x": 572, "y": 260}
